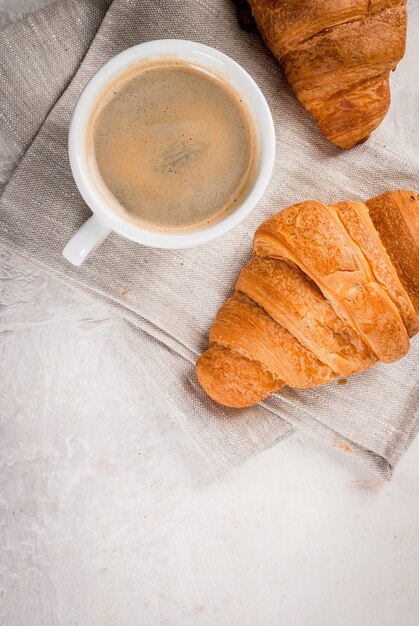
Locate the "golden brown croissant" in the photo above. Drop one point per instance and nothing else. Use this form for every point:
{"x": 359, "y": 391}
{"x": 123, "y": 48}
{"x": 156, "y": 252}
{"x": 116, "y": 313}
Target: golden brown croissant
{"x": 329, "y": 291}
{"x": 337, "y": 55}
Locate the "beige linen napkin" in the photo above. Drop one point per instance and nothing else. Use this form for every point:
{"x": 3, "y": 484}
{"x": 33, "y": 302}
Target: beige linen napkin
{"x": 164, "y": 301}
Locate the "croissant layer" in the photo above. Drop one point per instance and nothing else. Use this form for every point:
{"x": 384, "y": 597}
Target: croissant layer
{"x": 330, "y": 290}
{"x": 337, "y": 56}
{"x": 396, "y": 218}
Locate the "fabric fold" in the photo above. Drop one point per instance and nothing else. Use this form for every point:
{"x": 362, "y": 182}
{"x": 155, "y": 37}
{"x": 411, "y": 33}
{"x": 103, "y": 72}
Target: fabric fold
{"x": 39, "y": 56}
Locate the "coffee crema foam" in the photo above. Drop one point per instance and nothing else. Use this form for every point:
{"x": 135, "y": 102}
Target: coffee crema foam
{"x": 174, "y": 144}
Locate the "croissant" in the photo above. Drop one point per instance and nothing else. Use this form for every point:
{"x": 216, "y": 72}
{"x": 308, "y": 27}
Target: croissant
{"x": 337, "y": 55}
{"x": 329, "y": 291}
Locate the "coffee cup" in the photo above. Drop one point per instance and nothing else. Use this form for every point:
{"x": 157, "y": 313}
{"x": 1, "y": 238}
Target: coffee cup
{"x": 105, "y": 219}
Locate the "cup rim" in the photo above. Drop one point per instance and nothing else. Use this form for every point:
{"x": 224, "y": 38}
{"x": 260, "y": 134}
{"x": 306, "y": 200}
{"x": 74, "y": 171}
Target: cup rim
{"x": 184, "y": 50}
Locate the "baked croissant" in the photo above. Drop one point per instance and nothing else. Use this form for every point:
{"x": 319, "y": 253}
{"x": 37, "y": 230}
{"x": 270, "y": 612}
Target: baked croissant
{"x": 329, "y": 291}
{"x": 337, "y": 55}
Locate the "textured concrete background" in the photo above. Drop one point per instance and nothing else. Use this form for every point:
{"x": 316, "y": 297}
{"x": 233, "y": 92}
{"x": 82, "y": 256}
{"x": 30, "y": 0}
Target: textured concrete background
{"x": 109, "y": 516}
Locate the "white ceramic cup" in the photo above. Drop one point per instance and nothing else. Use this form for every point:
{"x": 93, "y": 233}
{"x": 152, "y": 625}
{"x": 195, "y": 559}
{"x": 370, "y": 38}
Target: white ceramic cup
{"x": 104, "y": 219}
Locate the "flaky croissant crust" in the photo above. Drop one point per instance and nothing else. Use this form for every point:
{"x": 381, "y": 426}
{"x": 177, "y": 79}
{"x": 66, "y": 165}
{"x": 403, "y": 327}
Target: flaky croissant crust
{"x": 337, "y": 55}
{"x": 329, "y": 291}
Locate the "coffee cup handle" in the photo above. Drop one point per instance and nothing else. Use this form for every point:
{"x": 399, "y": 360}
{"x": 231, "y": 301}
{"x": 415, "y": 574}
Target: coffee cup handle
{"x": 86, "y": 240}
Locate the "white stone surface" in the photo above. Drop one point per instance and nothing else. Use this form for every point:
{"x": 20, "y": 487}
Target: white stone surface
{"x": 109, "y": 517}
